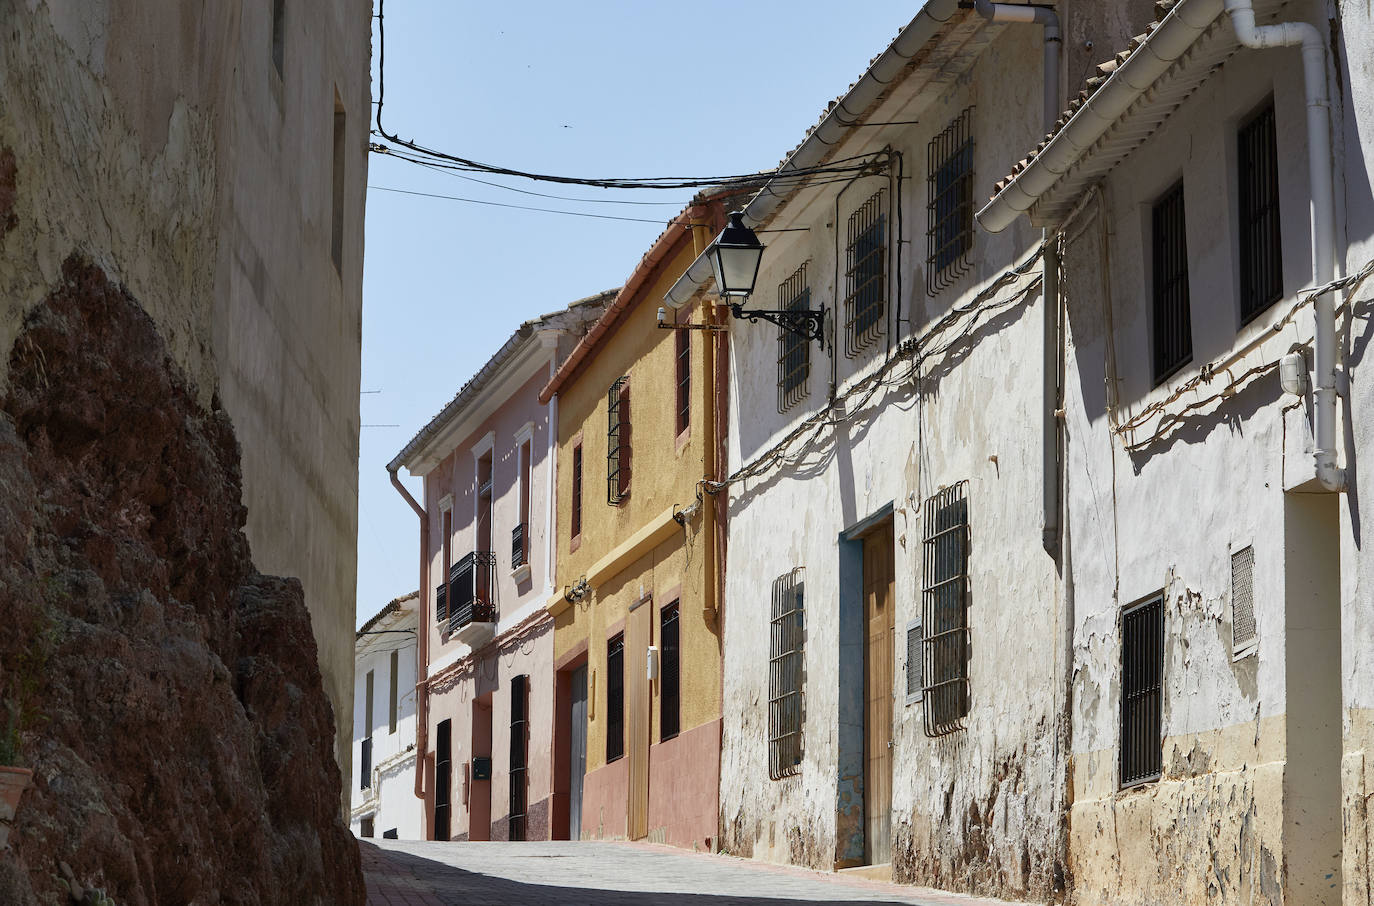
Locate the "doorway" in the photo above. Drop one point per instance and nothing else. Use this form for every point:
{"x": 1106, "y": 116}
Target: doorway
{"x": 443, "y": 779}
{"x": 479, "y": 799}
{"x": 879, "y": 627}
{"x": 577, "y": 737}
{"x": 638, "y": 628}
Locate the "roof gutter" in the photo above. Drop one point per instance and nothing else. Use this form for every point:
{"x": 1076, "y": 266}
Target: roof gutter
{"x": 831, "y": 131}
{"x": 1176, "y": 33}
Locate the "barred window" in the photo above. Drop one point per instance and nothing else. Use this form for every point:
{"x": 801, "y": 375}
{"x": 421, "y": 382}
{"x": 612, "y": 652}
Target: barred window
{"x": 519, "y": 754}
{"x": 618, "y": 441}
{"x": 1142, "y": 681}
{"x": 683, "y": 357}
{"x": 1173, "y": 327}
{"x": 615, "y": 697}
{"x": 1243, "y": 634}
{"x": 669, "y": 710}
{"x": 794, "y": 351}
{"x": 949, "y": 205}
{"x": 944, "y": 610}
{"x": 1261, "y": 258}
{"x": 866, "y": 275}
{"x": 786, "y": 675}
{"x": 576, "y": 519}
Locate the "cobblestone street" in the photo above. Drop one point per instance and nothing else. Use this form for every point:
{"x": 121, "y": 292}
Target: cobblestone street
{"x": 414, "y": 873}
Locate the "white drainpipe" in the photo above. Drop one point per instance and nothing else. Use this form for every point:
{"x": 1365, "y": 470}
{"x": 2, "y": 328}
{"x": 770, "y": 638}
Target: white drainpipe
{"x": 1045, "y": 17}
{"x": 1287, "y": 34}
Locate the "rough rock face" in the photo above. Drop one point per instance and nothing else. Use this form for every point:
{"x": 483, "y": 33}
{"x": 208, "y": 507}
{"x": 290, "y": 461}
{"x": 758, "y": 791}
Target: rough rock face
{"x": 170, "y": 698}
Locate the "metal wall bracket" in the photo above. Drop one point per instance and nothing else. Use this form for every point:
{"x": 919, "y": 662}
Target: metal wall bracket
{"x": 805, "y": 322}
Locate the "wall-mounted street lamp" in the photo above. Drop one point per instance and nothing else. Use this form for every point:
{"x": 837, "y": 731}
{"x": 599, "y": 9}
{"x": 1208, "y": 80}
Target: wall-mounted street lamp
{"x": 735, "y": 257}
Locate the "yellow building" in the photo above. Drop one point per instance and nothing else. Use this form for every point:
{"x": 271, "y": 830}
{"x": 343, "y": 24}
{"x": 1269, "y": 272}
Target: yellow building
{"x": 637, "y": 627}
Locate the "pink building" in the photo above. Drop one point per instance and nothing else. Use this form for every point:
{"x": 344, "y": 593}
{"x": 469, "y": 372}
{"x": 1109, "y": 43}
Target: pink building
{"x": 484, "y": 693}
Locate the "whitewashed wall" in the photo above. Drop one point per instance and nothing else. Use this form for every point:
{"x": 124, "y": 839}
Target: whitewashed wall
{"x": 390, "y": 800}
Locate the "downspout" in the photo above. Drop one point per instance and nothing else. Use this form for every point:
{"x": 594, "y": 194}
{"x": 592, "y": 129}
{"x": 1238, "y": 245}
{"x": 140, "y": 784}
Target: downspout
{"x": 1049, "y": 364}
{"x": 1287, "y": 34}
{"x": 421, "y": 687}
{"x": 550, "y": 483}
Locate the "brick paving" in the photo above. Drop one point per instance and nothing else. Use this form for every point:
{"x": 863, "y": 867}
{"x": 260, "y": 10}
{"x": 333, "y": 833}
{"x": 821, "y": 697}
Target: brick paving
{"x": 414, "y": 873}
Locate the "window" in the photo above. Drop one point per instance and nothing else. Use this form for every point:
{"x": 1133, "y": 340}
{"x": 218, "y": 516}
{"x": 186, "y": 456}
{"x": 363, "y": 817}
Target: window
{"x": 618, "y": 441}
{"x": 365, "y": 828}
{"x": 949, "y": 208}
{"x": 786, "y": 673}
{"x": 519, "y": 536}
{"x": 866, "y": 275}
{"x": 1142, "y": 675}
{"x": 278, "y": 34}
{"x": 669, "y": 711}
{"x": 944, "y": 610}
{"x": 615, "y": 698}
{"x": 395, "y": 688}
{"x": 1243, "y": 635}
{"x": 519, "y": 750}
{"x": 393, "y": 834}
{"x": 683, "y": 357}
{"x": 913, "y": 662}
{"x": 1173, "y": 329}
{"x": 365, "y": 768}
{"x": 576, "y": 519}
{"x": 1261, "y": 258}
{"x": 336, "y": 233}
{"x": 443, "y": 778}
{"x": 441, "y": 594}
{"x": 794, "y": 351}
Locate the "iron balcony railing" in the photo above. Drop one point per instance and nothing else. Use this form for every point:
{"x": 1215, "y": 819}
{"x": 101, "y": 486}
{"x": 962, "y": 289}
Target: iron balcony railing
{"x": 472, "y": 587}
{"x": 519, "y": 546}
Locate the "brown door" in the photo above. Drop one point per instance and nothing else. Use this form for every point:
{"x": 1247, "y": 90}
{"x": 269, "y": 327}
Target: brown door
{"x": 637, "y": 629}
{"x": 879, "y": 626}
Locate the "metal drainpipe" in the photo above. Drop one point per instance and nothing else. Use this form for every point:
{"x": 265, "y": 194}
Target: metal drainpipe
{"x": 1287, "y": 34}
{"x": 1049, "y": 390}
{"x": 422, "y": 637}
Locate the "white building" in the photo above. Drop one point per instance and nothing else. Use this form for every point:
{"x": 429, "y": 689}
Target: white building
{"x": 1221, "y": 690}
{"x": 384, "y": 799}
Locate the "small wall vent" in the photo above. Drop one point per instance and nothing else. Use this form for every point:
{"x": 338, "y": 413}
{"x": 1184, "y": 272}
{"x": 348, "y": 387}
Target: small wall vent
{"x": 1244, "y": 639}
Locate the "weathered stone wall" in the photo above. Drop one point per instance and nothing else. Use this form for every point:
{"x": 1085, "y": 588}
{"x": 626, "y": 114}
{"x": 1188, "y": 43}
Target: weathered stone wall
{"x": 168, "y": 695}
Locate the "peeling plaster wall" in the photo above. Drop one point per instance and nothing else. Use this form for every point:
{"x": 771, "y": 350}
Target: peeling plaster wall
{"x": 1166, "y": 517}
{"x": 976, "y": 810}
{"x": 158, "y": 140}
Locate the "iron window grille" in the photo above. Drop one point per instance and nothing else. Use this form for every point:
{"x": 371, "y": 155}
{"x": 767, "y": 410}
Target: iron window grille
{"x": 1243, "y": 630}
{"x": 576, "y": 520}
{"x": 473, "y": 582}
{"x": 443, "y": 778}
{"x": 1261, "y": 258}
{"x": 669, "y": 710}
{"x": 914, "y": 680}
{"x": 615, "y": 698}
{"x": 944, "y": 610}
{"x": 683, "y": 357}
{"x": 1173, "y": 328}
{"x": 441, "y": 603}
{"x": 866, "y": 275}
{"x": 519, "y": 754}
{"x": 949, "y": 205}
{"x": 794, "y": 350}
{"x": 786, "y": 675}
{"x": 1142, "y": 683}
{"x": 519, "y": 545}
{"x": 618, "y": 441}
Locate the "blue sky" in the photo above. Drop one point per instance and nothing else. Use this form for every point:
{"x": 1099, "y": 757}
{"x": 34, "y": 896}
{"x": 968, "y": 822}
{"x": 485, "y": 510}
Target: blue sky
{"x": 595, "y": 89}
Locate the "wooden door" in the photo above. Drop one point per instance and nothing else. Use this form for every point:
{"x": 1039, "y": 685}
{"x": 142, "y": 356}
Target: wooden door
{"x": 878, "y": 656}
{"x": 577, "y": 740}
{"x": 637, "y": 634}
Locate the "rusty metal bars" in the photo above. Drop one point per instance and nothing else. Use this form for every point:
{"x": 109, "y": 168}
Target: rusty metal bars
{"x": 944, "y": 610}
{"x": 949, "y": 205}
{"x": 786, "y": 675}
{"x": 866, "y": 275}
{"x": 618, "y": 441}
{"x": 1142, "y": 682}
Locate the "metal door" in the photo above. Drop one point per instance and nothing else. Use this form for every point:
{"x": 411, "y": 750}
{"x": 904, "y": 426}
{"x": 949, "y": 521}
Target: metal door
{"x": 443, "y": 778}
{"x": 578, "y": 742}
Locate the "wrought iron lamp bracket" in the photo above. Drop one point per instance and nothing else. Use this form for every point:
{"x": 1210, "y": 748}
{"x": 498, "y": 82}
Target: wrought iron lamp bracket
{"x": 806, "y": 323}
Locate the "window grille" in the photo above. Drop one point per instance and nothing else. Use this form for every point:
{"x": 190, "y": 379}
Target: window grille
{"x": 441, "y": 603}
{"x": 519, "y": 546}
{"x": 944, "y": 610}
{"x": 1261, "y": 259}
{"x": 683, "y": 356}
{"x": 1142, "y": 675}
{"x": 443, "y": 778}
{"x": 519, "y": 752}
{"x": 786, "y": 675}
{"x": 914, "y": 682}
{"x": 794, "y": 350}
{"x": 1243, "y": 633}
{"x": 866, "y": 275}
{"x": 615, "y": 698}
{"x": 669, "y": 710}
{"x": 1173, "y": 328}
{"x": 949, "y": 206}
{"x": 618, "y": 441}
{"x": 576, "y": 520}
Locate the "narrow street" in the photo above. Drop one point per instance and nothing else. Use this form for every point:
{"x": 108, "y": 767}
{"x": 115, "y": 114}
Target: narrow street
{"x": 416, "y": 873}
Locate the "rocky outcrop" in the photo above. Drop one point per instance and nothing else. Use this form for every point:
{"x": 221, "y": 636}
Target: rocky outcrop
{"x": 170, "y": 697}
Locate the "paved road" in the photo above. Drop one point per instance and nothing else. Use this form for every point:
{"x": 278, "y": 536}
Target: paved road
{"x": 406, "y": 873}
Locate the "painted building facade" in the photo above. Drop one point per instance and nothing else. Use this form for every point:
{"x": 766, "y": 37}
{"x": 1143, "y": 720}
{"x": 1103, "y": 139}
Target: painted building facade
{"x": 1220, "y": 684}
{"x": 384, "y": 802}
{"x": 486, "y": 686}
{"x": 636, "y": 620}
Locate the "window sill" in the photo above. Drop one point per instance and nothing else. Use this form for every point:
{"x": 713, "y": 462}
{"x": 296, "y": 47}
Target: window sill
{"x": 615, "y": 759}
{"x": 521, "y": 573}
{"x": 683, "y": 438}
{"x": 574, "y": 543}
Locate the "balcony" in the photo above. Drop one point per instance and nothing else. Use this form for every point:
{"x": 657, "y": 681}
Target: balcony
{"x": 472, "y": 605}
{"x": 520, "y": 552}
